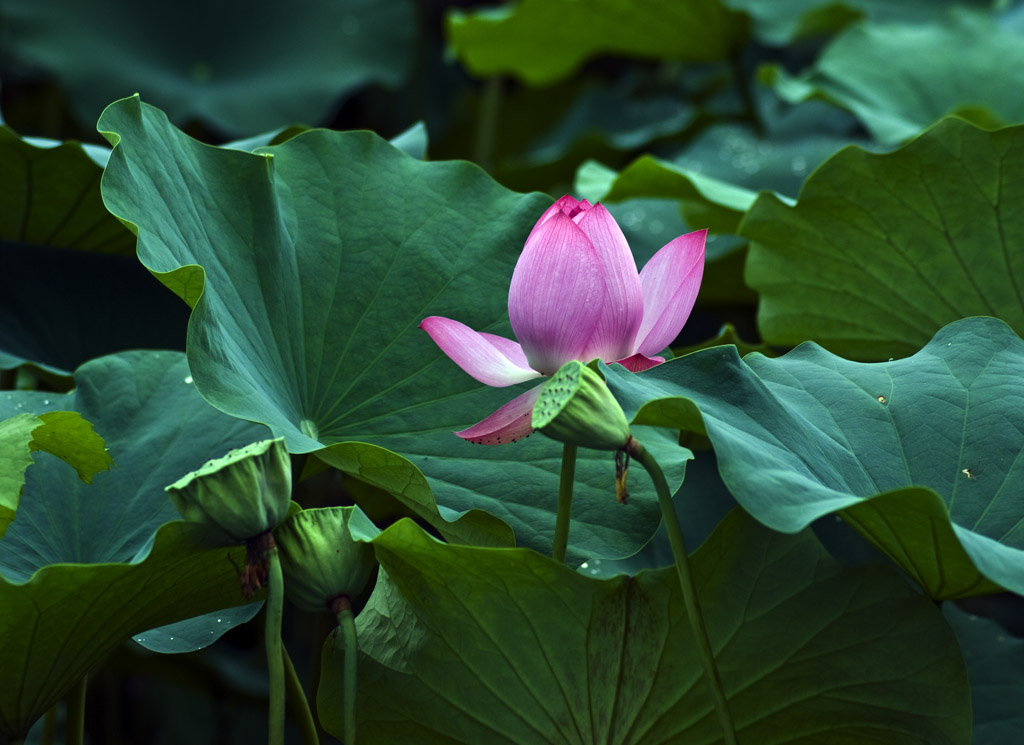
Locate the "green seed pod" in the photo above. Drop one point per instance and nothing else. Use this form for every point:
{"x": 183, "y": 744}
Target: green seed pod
{"x": 324, "y": 554}
{"x": 240, "y": 495}
{"x": 577, "y": 408}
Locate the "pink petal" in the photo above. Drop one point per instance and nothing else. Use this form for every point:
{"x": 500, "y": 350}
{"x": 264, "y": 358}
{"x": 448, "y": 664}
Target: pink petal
{"x": 509, "y": 423}
{"x": 639, "y": 362}
{"x": 567, "y": 205}
{"x": 578, "y": 211}
{"x": 509, "y": 348}
{"x": 670, "y": 282}
{"x": 623, "y": 308}
{"x": 554, "y": 300}
{"x": 490, "y": 359}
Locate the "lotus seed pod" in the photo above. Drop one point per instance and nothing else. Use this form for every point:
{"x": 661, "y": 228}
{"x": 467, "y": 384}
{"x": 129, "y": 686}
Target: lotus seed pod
{"x": 576, "y": 407}
{"x": 324, "y": 554}
{"x": 240, "y": 495}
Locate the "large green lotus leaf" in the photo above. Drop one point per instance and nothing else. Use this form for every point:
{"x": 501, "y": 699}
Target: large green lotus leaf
{"x": 543, "y": 41}
{"x": 71, "y": 289}
{"x": 242, "y": 72}
{"x": 63, "y": 433}
{"x": 781, "y": 22}
{"x": 995, "y": 668}
{"x": 310, "y": 267}
{"x": 83, "y": 567}
{"x": 899, "y": 78}
{"x": 881, "y": 251}
{"x": 471, "y": 645}
{"x": 922, "y": 455}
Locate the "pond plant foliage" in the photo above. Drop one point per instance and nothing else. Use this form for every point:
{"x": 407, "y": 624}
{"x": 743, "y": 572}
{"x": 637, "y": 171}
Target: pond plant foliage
{"x": 692, "y": 411}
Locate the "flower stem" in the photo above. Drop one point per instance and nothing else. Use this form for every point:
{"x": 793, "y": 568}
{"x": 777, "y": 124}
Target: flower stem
{"x": 744, "y": 85}
{"x": 487, "y": 124}
{"x": 74, "y": 726}
{"x": 49, "y": 726}
{"x": 347, "y": 629}
{"x": 272, "y": 640}
{"x": 564, "y": 517}
{"x": 690, "y": 599}
{"x": 299, "y": 703}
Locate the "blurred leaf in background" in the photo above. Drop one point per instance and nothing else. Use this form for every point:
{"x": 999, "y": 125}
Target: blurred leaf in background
{"x": 240, "y": 69}
{"x": 543, "y": 41}
{"x": 898, "y": 78}
{"x": 71, "y": 288}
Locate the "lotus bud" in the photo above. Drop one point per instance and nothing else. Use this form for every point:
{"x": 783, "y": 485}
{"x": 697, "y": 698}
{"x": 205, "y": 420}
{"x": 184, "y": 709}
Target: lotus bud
{"x": 239, "y": 496}
{"x": 576, "y": 407}
{"x": 325, "y": 555}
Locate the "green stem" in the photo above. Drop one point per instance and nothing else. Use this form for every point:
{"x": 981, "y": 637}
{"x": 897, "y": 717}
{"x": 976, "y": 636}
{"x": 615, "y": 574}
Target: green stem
{"x": 298, "y": 704}
{"x": 74, "y": 727}
{"x": 564, "y": 517}
{"x": 347, "y": 626}
{"x": 49, "y": 726}
{"x": 690, "y": 600}
{"x": 745, "y": 87}
{"x": 272, "y": 640}
{"x": 487, "y": 124}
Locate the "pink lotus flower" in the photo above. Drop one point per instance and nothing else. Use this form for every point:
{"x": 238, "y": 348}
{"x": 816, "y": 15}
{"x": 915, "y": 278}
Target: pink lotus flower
{"x": 575, "y": 294}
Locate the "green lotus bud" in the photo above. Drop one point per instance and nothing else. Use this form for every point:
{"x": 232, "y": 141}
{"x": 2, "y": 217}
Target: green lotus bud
{"x": 240, "y": 495}
{"x": 577, "y": 408}
{"x": 325, "y": 554}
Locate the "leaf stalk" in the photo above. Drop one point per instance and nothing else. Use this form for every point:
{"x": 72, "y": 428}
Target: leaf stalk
{"x": 564, "y": 515}
{"x": 690, "y": 599}
{"x": 299, "y": 704}
{"x": 275, "y": 649}
{"x": 347, "y": 630}
{"x": 75, "y": 726}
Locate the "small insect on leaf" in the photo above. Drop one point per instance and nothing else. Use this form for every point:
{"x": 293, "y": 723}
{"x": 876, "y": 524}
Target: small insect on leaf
{"x": 968, "y": 473}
